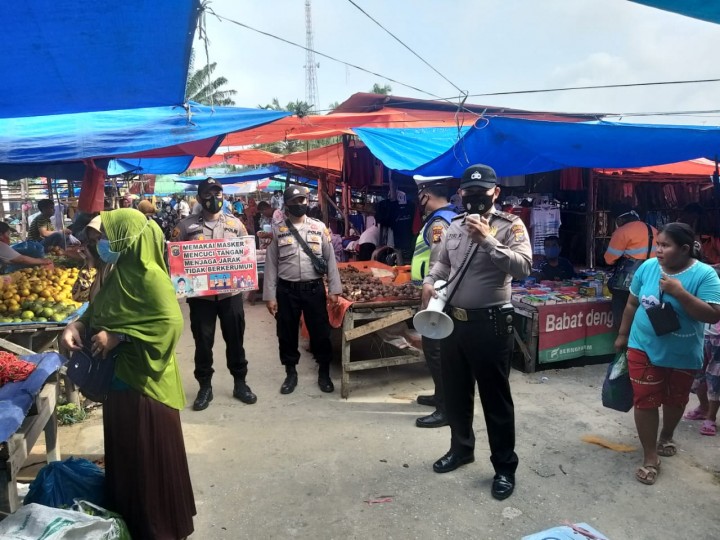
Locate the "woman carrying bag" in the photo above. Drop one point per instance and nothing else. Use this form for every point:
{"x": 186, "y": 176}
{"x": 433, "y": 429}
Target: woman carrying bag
{"x": 671, "y": 297}
{"x": 135, "y": 319}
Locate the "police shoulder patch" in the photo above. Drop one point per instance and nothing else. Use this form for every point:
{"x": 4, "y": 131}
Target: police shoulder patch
{"x": 518, "y": 231}
{"x": 437, "y": 232}
{"x": 175, "y": 234}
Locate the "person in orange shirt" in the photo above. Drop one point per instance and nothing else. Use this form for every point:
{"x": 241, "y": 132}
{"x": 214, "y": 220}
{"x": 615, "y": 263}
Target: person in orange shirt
{"x": 632, "y": 239}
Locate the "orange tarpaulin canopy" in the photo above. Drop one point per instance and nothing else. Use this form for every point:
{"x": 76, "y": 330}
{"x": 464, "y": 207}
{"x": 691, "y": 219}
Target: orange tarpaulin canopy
{"x": 333, "y": 125}
{"x": 329, "y": 158}
{"x": 694, "y": 167}
{"x": 238, "y": 157}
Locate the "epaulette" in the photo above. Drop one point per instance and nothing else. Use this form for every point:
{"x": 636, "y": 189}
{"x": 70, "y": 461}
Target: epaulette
{"x": 460, "y": 216}
{"x": 507, "y": 216}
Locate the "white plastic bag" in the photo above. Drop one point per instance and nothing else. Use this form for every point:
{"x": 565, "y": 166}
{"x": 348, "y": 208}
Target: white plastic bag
{"x": 36, "y": 521}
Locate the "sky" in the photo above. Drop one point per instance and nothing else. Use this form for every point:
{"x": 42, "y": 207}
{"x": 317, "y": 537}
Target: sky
{"x": 480, "y": 45}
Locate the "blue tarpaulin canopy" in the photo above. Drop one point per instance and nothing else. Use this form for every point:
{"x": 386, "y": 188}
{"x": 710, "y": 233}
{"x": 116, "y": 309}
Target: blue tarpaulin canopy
{"x": 246, "y": 176}
{"x": 697, "y": 9}
{"x": 63, "y": 57}
{"x": 171, "y": 165}
{"x": 71, "y": 137}
{"x": 515, "y": 146}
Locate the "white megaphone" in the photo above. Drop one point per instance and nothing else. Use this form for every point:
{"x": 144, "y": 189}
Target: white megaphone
{"x": 432, "y": 322}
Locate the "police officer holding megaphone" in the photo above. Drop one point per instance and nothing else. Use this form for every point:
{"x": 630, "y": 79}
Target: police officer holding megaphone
{"x": 483, "y": 250}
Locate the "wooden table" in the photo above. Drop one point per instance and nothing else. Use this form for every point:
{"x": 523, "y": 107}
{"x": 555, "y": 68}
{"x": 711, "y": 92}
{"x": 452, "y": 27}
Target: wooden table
{"x": 382, "y": 315}
{"x": 14, "y": 452}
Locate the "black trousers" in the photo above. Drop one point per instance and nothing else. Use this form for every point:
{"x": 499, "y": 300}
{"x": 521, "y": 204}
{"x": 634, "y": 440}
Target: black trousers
{"x": 203, "y": 314}
{"x": 308, "y": 299}
{"x": 474, "y": 354}
{"x": 431, "y": 350}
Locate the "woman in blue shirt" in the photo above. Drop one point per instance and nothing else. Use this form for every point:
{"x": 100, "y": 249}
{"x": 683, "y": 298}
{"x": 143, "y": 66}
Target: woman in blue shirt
{"x": 662, "y": 367}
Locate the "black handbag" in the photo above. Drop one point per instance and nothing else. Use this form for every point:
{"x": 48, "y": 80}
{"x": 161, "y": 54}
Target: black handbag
{"x": 663, "y": 318}
{"x": 626, "y": 267}
{"x": 319, "y": 264}
{"x": 93, "y": 375}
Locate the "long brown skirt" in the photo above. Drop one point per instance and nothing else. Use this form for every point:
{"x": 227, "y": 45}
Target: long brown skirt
{"x": 146, "y": 470}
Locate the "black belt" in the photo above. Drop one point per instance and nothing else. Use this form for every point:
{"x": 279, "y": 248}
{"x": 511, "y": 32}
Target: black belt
{"x": 481, "y": 314}
{"x": 300, "y": 285}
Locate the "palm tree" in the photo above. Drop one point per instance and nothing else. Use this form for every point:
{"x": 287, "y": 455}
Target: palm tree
{"x": 385, "y": 89}
{"x": 201, "y": 88}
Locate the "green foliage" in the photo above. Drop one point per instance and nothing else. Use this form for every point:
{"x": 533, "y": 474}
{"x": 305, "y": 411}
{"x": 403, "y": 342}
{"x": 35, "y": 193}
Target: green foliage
{"x": 385, "y": 89}
{"x": 202, "y": 88}
{"x": 70, "y": 413}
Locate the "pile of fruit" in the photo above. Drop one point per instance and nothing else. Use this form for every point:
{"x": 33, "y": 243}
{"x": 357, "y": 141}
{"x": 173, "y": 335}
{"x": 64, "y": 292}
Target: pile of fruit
{"x": 38, "y": 295}
{"x": 362, "y": 287}
{"x": 68, "y": 258}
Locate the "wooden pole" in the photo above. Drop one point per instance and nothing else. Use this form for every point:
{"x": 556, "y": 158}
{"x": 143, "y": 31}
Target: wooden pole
{"x": 590, "y": 219}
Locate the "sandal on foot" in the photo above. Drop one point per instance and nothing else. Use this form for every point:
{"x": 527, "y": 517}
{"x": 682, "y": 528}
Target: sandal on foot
{"x": 708, "y": 428}
{"x": 647, "y": 474}
{"x": 695, "y": 414}
{"x": 666, "y": 448}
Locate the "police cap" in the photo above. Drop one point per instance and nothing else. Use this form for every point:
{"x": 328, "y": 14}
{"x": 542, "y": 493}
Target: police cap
{"x": 294, "y": 192}
{"x": 480, "y": 176}
{"x": 424, "y": 182}
{"x": 207, "y": 184}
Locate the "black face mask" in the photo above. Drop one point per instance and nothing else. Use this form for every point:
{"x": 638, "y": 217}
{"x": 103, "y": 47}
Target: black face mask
{"x": 213, "y": 204}
{"x": 477, "y": 204}
{"x": 297, "y": 210}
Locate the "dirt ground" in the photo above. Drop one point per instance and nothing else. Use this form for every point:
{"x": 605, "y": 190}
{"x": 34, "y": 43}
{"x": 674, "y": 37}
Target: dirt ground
{"x": 313, "y": 465}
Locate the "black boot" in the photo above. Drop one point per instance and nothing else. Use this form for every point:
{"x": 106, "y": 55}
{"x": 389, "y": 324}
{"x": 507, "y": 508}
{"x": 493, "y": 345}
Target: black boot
{"x": 324, "y": 381}
{"x": 243, "y": 393}
{"x": 291, "y": 380}
{"x": 203, "y": 399}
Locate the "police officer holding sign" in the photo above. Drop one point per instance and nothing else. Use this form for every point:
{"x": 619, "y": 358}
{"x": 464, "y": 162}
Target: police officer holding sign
{"x": 298, "y": 257}
{"x": 205, "y": 310}
{"x": 433, "y": 198}
{"x": 482, "y": 251}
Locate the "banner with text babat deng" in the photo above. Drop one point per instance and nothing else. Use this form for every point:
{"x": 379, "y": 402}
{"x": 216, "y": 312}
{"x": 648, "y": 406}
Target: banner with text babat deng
{"x": 570, "y": 331}
{"x": 209, "y": 267}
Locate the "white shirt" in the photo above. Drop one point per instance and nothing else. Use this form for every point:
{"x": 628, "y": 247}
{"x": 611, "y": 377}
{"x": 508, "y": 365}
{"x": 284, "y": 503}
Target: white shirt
{"x": 183, "y": 209}
{"x": 7, "y": 254}
{"x": 371, "y": 235}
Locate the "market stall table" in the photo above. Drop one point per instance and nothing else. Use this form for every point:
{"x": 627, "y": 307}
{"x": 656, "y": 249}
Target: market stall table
{"x": 382, "y": 312}
{"x": 27, "y": 408}
{"x": 564, "y": 331}
{"x": 383, "y": 315}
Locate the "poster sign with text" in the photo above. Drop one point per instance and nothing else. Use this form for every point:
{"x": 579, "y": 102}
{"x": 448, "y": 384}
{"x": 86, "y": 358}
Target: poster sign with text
{"x": 570, "y": 331}
{"x": 209, "y": 267}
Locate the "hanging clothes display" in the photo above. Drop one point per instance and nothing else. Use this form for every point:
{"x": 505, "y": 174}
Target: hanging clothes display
{"x": 545, "y": 221}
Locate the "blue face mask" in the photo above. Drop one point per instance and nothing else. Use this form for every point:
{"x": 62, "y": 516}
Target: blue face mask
{"x": 107, "y": 255}
{"x": 552, "y": 252}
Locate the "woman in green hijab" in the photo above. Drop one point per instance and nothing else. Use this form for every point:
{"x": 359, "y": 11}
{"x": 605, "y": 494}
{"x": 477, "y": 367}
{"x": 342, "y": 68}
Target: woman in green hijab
{"x": 136, "y": 317}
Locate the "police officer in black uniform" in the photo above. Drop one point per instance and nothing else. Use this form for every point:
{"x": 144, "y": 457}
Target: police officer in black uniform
{"x": 482, "y": 251}
{"x": 206, "y": 310}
